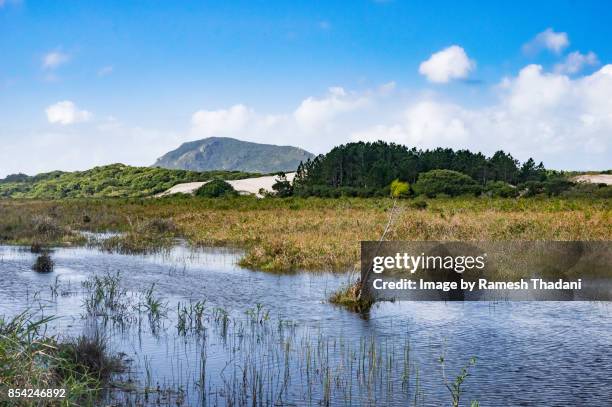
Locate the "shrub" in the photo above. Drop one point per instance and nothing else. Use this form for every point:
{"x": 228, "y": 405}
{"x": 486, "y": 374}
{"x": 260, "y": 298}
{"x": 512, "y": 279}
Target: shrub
{"x": 419, "y": 204}
{"x": 500, "y": 189}
{"x": 584, "y": 189}
{"x": 551, "y": 187}
{"x": 448, "y": 182}
{"x": 555, "y": 186}
{"x": 215, "y": 189}
{"x": 282, "y": 187}
{"x": 399, "y": 189}
{"x": 44, "y": 264}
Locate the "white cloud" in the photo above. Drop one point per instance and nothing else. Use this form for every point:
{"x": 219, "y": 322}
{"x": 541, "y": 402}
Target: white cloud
{"x": 450, "y": 63}
{"x": 576, "y": 61}
{"x": 221, "y": 122}
{"x": 78, "y": 148}
{"x": 106, "y": 70}
{"x": 547, "y": 39}
{"x": 565, "y": 122}
{"x": 314, "y": 113}
{"x": 66, "y": 112}
{"x": 54, "y": 59}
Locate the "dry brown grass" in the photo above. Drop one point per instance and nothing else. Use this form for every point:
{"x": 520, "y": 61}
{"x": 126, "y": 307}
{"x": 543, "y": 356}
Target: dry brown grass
{"x": 321, "y": 234}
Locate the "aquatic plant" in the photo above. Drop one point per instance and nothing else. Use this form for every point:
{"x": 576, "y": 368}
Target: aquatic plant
{"x": 88, "y": 357}
{"x": 454, "y": 387}
{"x": 190, "y": 316}
{"x": 348, "y": 296}
{"x": 151, "y": 304}
{"x": 43, "y": 264}
{"x": 30, "y": 359}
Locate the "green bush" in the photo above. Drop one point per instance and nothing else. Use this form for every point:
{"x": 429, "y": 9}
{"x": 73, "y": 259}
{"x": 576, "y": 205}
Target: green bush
{"x": 282, "y": 187}
{"x": 452, "y": 183}
{"x": 588, "y": 190}
{"x": 399, "y": 189}
{"x": 215, "y": 189}
{"x": 551, "y": 187}
{"x": 500, "y": 189}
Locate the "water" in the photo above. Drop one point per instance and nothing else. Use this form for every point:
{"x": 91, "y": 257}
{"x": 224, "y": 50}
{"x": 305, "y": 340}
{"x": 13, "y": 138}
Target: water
{"x": 300, "y": 350}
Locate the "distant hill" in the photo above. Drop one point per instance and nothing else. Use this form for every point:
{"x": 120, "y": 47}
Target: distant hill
{"x": 116, "y": 180}
{"x": 223, "y": 153}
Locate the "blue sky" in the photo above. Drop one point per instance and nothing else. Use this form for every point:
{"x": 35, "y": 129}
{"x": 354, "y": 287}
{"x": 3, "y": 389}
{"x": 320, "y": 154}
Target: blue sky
{"x": 84, "y": 83}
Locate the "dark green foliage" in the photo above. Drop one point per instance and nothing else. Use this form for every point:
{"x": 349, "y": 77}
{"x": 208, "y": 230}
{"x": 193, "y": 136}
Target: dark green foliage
{"x": 552, "y": 187}
{"x": 366, "y": 169}
{"x": 584, "y": 189}
{"x": 215, "y": 189}
{"x": 116, "y": 180}
{"x": 282, "y": 187}
{"x": 44, "y": 264}
{"x": 532, "y": 172}
{"x": 500, "y": 189}
{"x": 452, "y": 183}
{"x": 15, "y": 178}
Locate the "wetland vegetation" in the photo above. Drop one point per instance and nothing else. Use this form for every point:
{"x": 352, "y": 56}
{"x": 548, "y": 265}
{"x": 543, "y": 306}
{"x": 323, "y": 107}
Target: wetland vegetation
{"x": 300, "y": 233}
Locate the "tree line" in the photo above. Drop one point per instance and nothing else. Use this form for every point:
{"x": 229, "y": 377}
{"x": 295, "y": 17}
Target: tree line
{"x": 372, "y": 166}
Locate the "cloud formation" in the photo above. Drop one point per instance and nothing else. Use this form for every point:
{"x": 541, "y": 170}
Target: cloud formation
{"x": 576, "y": 62}
{"x": 54, "y": 59}
{"x": 545, "y": 115}
{"x": 446, "y": 65}
{"x": 314, "y": 113}
{"x": 65, "y": 113}
{"x": 549, "y": 40}
{"x": 221, "y": 122}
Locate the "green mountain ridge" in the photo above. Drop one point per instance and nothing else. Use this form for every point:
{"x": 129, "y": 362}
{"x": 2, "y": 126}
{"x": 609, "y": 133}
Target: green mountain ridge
{"x": 228, "y": 154}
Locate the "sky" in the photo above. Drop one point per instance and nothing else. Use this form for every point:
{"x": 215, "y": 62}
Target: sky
{"x": 86, "y": 83}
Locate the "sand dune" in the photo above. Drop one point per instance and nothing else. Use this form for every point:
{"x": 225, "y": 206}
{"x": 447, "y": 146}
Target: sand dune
{"x": 243, "y": 186}
{"x": 594, "y": 178}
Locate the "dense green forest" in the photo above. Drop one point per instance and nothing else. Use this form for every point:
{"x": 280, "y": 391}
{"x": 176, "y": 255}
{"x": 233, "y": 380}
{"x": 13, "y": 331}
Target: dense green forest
{"x": 116, "y": 180}
{"x": 367, "y": 169}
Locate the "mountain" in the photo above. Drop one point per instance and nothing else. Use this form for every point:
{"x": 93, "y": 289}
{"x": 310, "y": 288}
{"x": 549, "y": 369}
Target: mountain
{"x": 228, "y": 154}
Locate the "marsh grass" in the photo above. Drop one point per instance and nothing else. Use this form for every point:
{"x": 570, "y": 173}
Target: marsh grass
{"x": 143, "y": 237}
{"x": 348, "y": 296}
{"x": 31, "y": 359}
{"x": 309, "y": 233}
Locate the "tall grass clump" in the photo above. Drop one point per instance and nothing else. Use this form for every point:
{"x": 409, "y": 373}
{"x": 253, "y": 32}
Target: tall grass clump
{"x": 30, "y": 359}
{"x": 44, "y": 263}
{"x": 143, "y": 237}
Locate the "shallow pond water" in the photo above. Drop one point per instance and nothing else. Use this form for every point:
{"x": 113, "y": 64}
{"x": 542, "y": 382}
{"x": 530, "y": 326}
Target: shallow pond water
{"x": 230, "y": 336}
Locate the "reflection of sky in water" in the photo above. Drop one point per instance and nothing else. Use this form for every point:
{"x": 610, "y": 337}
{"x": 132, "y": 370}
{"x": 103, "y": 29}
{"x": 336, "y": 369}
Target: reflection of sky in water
{"x": 529, "y": 353}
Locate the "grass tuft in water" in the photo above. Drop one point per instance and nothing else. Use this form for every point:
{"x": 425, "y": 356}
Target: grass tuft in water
{"x": 44, "y": 263}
